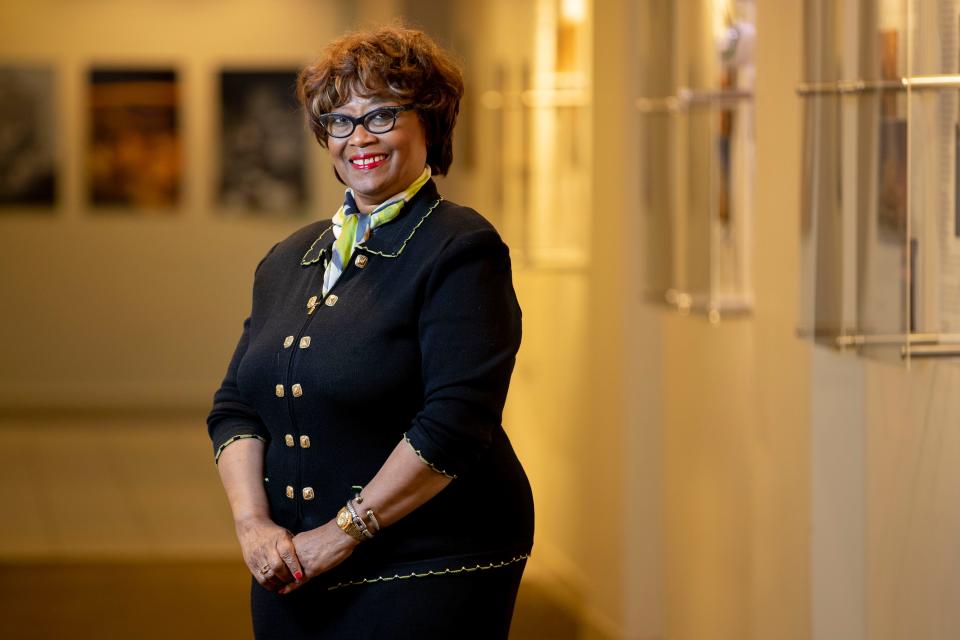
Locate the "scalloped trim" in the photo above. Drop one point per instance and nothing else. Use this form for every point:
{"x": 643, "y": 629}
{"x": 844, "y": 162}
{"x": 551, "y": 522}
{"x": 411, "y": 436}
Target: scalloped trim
{"x": 441, "y": 572}
{"x": 427, "y": 462}
{"x": 384, "y": 254}
{"x": 306, "y": 263}
{"x": 242, "y": 436}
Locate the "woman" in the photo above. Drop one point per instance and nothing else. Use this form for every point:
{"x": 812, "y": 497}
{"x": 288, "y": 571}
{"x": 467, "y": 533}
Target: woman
{"x": 357, "y": 431}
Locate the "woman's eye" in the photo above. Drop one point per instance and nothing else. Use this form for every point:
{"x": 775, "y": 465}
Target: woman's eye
{"x": 380, "y": 118}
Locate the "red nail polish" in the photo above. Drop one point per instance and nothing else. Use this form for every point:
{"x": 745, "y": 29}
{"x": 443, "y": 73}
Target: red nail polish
{"x": 298, "y": 576}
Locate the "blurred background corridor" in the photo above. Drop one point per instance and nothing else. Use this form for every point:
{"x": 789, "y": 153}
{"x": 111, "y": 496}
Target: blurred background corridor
{"x": 736, "y": 242}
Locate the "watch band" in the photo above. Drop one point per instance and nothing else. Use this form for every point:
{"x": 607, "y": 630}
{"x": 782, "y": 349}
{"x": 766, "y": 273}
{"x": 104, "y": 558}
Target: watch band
{"x": 357, "y": 520}
{"x": 346, "y": 523}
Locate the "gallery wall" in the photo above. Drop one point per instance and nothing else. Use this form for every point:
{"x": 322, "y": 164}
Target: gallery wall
{"x": 124, "y": 306}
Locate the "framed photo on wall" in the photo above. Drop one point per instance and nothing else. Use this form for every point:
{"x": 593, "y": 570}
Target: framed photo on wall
{"x": 134, "y": 153}
{"x": 27, "y": 136}
{"x": 262, "y": 143}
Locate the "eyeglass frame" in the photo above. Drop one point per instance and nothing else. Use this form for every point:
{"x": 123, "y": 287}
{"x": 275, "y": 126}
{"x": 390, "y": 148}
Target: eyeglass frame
{"x": 395, "y": 110}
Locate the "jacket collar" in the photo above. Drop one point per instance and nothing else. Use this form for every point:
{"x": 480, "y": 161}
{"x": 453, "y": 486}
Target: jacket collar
{"x": 391, "y": 239}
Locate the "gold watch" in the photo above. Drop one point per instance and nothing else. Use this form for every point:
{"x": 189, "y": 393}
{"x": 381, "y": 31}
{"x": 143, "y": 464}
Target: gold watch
{"x": 345, "y": 522}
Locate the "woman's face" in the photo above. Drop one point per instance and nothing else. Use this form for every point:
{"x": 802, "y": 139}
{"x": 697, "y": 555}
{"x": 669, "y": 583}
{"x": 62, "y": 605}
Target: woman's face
{"x": 378, "y": 165}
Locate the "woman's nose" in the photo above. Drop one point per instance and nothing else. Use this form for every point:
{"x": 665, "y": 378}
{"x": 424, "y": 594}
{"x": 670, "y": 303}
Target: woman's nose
{"x": 361, "y": 137}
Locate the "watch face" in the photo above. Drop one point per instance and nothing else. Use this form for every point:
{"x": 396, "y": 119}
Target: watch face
{"x": 343, "y": 518}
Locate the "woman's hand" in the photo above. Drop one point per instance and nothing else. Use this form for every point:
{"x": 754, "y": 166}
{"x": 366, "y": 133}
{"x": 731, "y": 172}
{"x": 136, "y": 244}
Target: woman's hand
{"x": 269, "y": 552}
{"x": 320, "y": 550}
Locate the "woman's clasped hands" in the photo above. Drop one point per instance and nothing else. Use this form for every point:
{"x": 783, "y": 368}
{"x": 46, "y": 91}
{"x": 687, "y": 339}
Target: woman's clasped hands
{"x": 281, "y": 561}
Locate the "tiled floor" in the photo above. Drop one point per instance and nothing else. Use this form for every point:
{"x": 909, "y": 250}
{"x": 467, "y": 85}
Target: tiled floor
{"x": 116, "y": 527}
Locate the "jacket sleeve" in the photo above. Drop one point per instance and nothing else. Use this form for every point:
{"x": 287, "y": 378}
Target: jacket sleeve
{"x": 232, "y": 417}
{"x": 470, "y": 326}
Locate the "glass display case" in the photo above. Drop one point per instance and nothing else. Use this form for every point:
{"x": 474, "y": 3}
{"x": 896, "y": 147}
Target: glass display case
{"x": 697, "y": 153}
{"x": 880, "y": 223}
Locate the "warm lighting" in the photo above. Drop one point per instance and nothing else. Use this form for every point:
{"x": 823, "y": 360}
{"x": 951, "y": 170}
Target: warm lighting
{"x": 573, "y": 11}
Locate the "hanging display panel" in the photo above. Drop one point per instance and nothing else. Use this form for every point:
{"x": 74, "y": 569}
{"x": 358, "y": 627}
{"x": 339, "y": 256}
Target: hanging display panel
{"x": 881, "y": 255}
{"x": 537, "y": 108}
{"x": 697, "y": 154}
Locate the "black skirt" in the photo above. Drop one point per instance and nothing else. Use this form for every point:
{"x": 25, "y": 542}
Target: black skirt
{"x": 477, "y": 604}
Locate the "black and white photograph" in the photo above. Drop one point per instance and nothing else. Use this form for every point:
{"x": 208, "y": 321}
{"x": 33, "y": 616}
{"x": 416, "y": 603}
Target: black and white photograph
{"x": 262, "y": 147}
{"x": 27, "y": 136}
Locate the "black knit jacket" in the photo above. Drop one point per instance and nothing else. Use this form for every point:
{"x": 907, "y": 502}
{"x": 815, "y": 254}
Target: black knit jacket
{"x": 419, "y": 343}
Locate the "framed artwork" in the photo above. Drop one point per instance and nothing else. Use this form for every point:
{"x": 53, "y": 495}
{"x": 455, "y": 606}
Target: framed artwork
{"x": 27, "y": 135}
{"x": 134, "y": 155}
{"x": 262, "y": 143}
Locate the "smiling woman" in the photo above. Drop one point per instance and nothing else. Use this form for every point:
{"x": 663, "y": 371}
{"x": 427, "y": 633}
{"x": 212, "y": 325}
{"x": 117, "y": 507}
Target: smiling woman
{"x": 358, "y": 429}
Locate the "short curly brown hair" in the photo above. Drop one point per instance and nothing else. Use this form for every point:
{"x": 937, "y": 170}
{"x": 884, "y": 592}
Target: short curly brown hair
{"x": 388, "y": 62}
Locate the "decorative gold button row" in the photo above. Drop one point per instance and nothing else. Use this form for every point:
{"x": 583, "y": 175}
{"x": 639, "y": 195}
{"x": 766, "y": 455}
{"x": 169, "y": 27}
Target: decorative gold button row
{"x": 304, "y": 342}
{"x": 296, "y": 389}
{"x": 307, "y": 493}
{"x": 304, "y": 441}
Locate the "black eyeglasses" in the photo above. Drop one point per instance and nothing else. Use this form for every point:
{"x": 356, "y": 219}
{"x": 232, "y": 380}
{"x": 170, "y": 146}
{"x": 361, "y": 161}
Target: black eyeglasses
{"x": 379, "y": 120}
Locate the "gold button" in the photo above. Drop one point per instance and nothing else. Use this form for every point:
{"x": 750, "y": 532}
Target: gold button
{"x": 308, "y": 493}
{"x": 288, "y": 439}
{"x": 279, "y": 390}
{"x": 290, "y": 492}
{"x": 287, "y": 342}
{"x": 331, "y": 300}
{"x": 312, "y": 302}
{"x": 304, "y": 342}
{"x": 297, "y": 390}
{"x": 361, "y": 261}
{"x": 305, "y": 442}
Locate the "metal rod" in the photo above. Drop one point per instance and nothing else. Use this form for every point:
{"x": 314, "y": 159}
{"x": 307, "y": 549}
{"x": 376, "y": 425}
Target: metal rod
{"x": 712, "y": 307}
{"x": 687, "y": 99}
{"x": 849, "y": 87}
{"x": 858, "y": 340}
{"x": 931, "y": 351}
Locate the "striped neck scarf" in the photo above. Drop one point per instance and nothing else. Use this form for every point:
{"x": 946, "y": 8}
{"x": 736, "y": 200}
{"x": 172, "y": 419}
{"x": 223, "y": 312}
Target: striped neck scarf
{"x": 350, "y": 227}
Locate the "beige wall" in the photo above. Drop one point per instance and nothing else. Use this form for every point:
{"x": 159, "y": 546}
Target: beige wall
{"x": 912, "y": 501}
